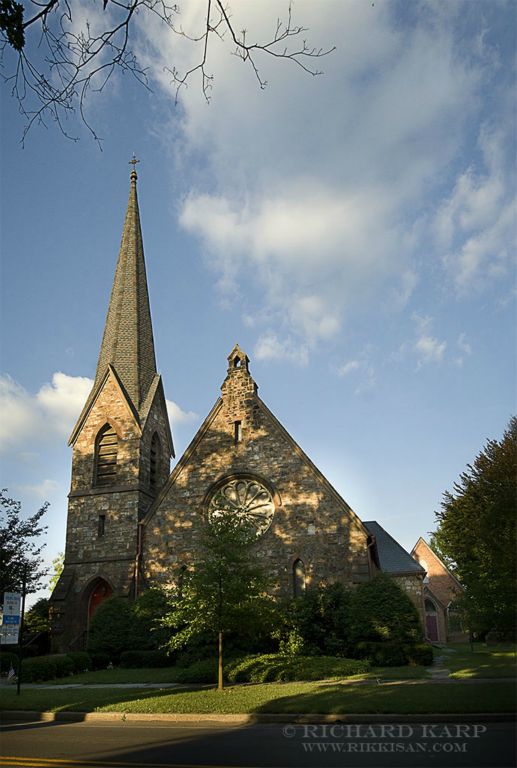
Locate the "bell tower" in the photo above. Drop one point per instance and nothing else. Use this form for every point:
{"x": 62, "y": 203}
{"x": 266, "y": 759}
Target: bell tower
{"x": 121, "y": 451}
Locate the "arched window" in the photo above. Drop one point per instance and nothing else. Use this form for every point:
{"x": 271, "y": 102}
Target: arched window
{"x": 106, "y": 450}
{"x": 430, "y": 607}
{"x": 181, "y": 580}
{"x": 454, "y": 617}
{"x": 298, "y": 578}
{"x": 155, "y": 462}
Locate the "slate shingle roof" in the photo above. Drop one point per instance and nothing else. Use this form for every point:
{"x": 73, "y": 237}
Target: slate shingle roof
{"x": 392, "y": 557}
{"x": 128, "y": 343}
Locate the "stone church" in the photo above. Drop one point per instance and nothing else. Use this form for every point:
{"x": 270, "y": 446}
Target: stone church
{"x": 132, "y": 523}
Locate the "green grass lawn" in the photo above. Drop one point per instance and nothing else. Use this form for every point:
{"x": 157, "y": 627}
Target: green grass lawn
{"x": 486, "y": 661}
{"x": 311, "y": 698}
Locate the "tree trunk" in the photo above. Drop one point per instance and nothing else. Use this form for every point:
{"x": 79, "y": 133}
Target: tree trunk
{"x": 220, "y": 664}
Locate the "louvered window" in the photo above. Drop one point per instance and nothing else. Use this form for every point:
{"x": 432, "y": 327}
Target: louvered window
{"x": 106, "y": 456}
{"x": 154, "y": 462}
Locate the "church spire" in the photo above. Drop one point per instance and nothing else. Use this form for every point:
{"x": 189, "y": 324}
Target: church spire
{"x": 127, "y": 344}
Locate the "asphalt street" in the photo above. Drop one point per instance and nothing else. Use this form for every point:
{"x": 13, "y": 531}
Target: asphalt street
{"x": 128, "y": 744}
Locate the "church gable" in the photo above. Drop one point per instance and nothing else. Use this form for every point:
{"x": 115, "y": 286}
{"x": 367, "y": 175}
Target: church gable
{"x": 109, "y": 410}
{"x": 242, "y": 452}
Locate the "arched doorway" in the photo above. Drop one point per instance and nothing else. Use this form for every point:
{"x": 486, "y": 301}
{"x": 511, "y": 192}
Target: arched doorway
{"x": 431, "y": 621}
{"x": 101, "y": 590}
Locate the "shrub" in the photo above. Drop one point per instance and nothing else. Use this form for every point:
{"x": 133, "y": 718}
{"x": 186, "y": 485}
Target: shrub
{"x": 42, "y": 668}
{"x": 81, "y": 660}
{"x": 139, "y": 659}
{"x": 8, "y": 659}
{"x": 317, "y": 623}
{"x": 419, "y": 653}
{"x": 381, "y": 654}
{"x": 204, "y": 671}
{"x": 276, "y": 667}
{"x": 100, "y": 660}
{"x": 147, "y": 611}
{"x": 110, "y": 628}
{"x": 393, "y": 654}
{"x": 381, "y": 611}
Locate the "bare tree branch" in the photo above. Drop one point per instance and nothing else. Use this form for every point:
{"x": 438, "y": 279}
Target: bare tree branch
{"x": 53, "y": 79}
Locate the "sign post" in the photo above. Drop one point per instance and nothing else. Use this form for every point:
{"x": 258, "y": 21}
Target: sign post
{"x": 11, "y": 628}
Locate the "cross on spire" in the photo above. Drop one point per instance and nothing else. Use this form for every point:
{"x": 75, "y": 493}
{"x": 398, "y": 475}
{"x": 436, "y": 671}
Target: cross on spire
{"x": 134, "y": 160}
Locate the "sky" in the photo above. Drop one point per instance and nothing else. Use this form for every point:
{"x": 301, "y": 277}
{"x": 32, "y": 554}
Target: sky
{"x": 353, "y": 231}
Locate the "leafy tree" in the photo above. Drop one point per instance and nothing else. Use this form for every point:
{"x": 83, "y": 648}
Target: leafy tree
{"x": 110, "y": 628}
{"x": 147, "y": 632}
{"x": 36, "y": 618}
{"x": 58, "y": 564}
{"x": 69, "y": 56}
{"x": 317, "y": 623}
{"x": 477, "y": 534}
{"x": 381, "y": 611}
{"x": 20, "y": 550}
{"x": 227, "y": 591}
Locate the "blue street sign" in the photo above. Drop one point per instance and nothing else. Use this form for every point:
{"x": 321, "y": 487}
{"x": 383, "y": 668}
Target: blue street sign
{"x": 11, "y": 619}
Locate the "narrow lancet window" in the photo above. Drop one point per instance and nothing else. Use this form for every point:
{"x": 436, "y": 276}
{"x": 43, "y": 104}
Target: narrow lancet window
{"x": 237, "y": 435}
{"x": 298, "y": 578}
{"x": 101, "y": 526}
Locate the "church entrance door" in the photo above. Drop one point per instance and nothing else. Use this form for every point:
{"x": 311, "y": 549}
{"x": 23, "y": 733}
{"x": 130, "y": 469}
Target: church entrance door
{"x": 431, "y": 621}
{"x": 100, "y": 593}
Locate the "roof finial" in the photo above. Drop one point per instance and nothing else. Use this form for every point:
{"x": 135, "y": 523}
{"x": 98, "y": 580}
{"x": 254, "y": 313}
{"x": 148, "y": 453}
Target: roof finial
{"x": 133, "y": 162}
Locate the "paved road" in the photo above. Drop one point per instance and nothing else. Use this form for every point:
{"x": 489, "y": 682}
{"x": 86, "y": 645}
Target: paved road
{"x": 126, "y": 745}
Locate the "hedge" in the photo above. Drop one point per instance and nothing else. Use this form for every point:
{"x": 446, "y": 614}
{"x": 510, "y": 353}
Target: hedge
{"x": 393, "y": 654}
{"x": 276, "y": 667}
{"x": 46, "y": 668}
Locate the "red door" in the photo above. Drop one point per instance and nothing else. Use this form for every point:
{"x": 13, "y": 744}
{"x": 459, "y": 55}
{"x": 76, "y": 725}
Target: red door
{"x": 101, "y": 592}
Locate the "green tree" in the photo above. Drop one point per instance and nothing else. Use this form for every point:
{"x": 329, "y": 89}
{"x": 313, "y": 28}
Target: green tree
{"x": 20, "y": 548}
{"x": 110, "y": 628}
{"x": 226, "y": 593}
{"x": 36, "y": 618}
{"x": 317, "y": 623}
{"x": 57, "y": 564}
{"x": 477, "y": 534}
{"x": 381, "y": 611}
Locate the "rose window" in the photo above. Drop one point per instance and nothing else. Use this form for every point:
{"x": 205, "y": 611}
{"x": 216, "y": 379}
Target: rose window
{"x": 248, "y": 499}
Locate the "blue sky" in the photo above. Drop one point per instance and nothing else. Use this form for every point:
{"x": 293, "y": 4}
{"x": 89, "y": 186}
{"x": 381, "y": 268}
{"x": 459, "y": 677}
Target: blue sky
{"x": 354, "y": 232}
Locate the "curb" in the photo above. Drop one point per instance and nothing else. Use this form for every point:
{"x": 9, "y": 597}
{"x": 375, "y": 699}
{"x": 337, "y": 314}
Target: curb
{"x": 251, "y": 719}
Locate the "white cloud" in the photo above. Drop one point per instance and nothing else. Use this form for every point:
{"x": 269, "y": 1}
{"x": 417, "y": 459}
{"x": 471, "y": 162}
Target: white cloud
{"x": 310, "y": 190}
{"x": 465, "y": 349}
{"x": 43, "y": 490}
{"x": 270, "y": 347}
{"x": 477, "y": 224}
{"x": 62, "y": 400}
{"x": 429, "y": 349}
{"x": 347, "y": 368}
{"x": 51, "y": 411}
{"x": 178, "y": 416}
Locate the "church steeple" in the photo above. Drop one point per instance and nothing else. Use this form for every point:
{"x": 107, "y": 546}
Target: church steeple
{"x": 128, "y": 343}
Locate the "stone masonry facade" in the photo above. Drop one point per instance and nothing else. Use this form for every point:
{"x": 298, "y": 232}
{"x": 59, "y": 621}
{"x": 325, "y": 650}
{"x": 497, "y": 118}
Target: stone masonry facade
{"x": 311, "y": 522}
